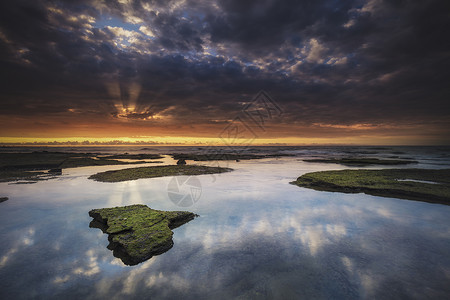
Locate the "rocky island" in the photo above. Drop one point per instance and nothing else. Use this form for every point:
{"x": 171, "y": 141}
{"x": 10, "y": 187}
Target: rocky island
{"x": 157, "y": 171}
{"x": 137, "y": 232}
{"x": 414, "y": 184}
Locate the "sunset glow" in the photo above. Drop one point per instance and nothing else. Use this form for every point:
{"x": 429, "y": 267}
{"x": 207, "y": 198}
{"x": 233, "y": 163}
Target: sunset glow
{"x": 224, "y": 149}
{"x": 344, "y": 72}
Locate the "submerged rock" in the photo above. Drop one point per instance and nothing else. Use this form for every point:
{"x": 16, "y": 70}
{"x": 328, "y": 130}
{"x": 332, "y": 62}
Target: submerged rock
{"x": 137, "y": 232}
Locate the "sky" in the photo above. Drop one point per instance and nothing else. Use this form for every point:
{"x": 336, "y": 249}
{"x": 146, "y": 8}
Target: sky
{"x": 371, "y": 72}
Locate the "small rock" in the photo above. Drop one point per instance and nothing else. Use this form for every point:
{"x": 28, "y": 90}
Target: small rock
{"x": 181, "y": 162}
{"x": 137, "y": 232}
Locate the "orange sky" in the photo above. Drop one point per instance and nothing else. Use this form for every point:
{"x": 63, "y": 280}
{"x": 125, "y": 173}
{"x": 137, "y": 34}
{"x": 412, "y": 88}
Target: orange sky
{"x": 61, "y": 130}
{"x": 344, "y": 73}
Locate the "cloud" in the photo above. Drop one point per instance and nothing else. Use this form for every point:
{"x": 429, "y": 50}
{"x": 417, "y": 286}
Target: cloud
{"x": 316, "y": 51}
{"x": 147, "y": 31}
{"x": 346, "y": 62}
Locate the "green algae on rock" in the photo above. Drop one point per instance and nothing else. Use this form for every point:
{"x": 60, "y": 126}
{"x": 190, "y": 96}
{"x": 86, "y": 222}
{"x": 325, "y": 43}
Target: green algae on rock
{"x": 413, "y": 184}
{"x": 156, "y": 171}
{"x": 137, "y": 232}
{"x": 348, "y": 161}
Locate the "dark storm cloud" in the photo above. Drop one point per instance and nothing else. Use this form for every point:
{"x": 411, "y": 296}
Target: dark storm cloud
{"x": 333, "y": 62}
{"x": 263, "y": 24}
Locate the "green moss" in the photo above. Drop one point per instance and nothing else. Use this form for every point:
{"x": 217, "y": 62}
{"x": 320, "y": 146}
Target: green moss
{"x": 157, "y": 171}
{"x": 362, "y": 161}
{"x": 386, "y": 182}
{"x": 137, "y": 232}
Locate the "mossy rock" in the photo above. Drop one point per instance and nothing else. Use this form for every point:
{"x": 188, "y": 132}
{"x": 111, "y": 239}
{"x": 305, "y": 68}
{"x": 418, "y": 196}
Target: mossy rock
{"x": 413, "y": 184}
{"x": 157, "y": 171}
{"x": 137, "y": 232}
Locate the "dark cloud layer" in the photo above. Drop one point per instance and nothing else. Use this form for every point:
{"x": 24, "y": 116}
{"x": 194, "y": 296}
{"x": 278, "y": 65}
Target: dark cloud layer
{"x": 326, "y": 62}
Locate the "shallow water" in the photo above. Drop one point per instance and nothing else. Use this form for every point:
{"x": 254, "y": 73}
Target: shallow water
{"x": 257, "y": 237}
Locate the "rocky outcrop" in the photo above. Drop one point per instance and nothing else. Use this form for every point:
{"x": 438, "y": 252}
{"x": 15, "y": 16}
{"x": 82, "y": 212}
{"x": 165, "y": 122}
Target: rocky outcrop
{"x": 426, "y": 185}
{"x": 181, "y": 162}
{"x": 137, "y": 232}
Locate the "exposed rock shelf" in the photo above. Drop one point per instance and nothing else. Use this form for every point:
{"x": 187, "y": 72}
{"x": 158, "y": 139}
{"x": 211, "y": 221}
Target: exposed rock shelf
{"x": 413, "y": 184}
{"x": 137, "y": 232}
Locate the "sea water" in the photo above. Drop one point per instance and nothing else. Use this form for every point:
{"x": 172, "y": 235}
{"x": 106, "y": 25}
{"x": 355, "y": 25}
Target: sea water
{"x": 257, "y": 236}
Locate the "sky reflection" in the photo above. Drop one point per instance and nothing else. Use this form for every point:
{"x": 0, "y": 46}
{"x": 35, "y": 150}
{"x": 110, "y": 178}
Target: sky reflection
{"x": 257, "y": 236}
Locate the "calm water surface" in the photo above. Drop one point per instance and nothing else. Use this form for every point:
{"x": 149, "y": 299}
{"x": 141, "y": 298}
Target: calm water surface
{"x": 257, "y": 237}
